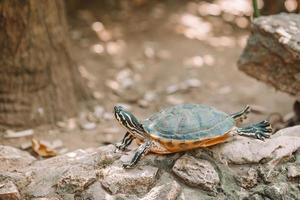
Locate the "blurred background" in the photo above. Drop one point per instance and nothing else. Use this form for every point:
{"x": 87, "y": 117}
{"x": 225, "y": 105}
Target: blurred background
{"x": 146, "y": 55}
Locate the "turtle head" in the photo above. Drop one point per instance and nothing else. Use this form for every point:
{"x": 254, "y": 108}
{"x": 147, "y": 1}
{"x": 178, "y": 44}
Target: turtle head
{"x": 129, "y": 121}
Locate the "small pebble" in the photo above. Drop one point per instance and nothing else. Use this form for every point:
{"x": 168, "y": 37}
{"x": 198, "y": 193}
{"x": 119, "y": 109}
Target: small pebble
{"x": 13, "y": 134}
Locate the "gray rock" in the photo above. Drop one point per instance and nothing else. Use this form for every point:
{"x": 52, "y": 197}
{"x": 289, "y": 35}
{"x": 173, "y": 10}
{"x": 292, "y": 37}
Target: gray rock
{"x": 12, "y": 159}
{"x": 43, "y": 180}
{"x": 125, "y": 197}
{"x": 129, "y": 181}
{"x": 46, "y": 198}
{"x": 243, "y": 150}
{"x": 76, "y": 179}
{"x": 276, "y": 191}
{"x": 293, "y": 131}
{"x": 97, "y": 174}
{"x": 96, "y": 192}
{"x": 248, "y": 180}
{"x": 9, "y": 191}
{"x": 272, "y": 53}
{"x": 107, "y": 155}
{"x": 255, "y": 197}
{"x": 169, "y": 191}
{"x": 293, "y": 171}
{"x": 67, "y": 173}
{"x": 195, "y": 172}
{"x": 189, "y": 193}
{"x": 267, "y": 173}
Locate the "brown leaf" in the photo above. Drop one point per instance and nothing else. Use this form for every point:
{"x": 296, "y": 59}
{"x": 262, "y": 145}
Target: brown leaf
{"x": 42, "y": 149}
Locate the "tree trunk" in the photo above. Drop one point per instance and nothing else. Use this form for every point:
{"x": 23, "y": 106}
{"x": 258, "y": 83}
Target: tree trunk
{"x": 39, "y": 83}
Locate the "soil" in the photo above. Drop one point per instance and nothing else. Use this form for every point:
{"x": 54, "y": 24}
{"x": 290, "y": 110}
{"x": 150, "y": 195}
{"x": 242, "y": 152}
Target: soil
{"x": 142, "y": 52}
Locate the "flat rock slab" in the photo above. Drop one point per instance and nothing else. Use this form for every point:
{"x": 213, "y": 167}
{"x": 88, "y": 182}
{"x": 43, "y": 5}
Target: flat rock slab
{"x": 276, "y": 191}
{"x": 96, "y": 192}
{"x": 196, "y": 172}
{"x": 8, "y": 191}
{"x": 243, "y": 150}
{"x": 76, "y": 179}
{"x": 46, "y": 198}
{"x": 98, "y": 173}
{"x": 293, "y": 131}
{"x": 129, "y": 181}
{"x": 272, "y": 54}
{"x": 249, "y": 179}
{"x": 293, "y": 171}
{"x": 12, "y": 159}
{"x": 169, "y": 191}
{"x": 67, "y": 174}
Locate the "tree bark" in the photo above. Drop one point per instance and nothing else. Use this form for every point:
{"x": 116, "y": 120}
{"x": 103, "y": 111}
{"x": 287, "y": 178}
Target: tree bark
{"x": 39, "y": 82}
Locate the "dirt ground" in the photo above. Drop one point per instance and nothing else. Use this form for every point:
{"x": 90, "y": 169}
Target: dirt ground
{"x": 149, "y": 56}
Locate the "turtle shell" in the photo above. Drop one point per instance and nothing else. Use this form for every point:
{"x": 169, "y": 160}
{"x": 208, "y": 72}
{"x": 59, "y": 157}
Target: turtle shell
{"x": 188, "y": 122}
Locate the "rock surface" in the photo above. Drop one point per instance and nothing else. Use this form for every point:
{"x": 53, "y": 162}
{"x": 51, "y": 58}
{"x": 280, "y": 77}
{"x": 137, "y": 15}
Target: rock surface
{"x": 293, "y": 171}
{"x": 277, "y": 191}
{"x": 169, "y": 191}
{"x": 96, "y": 192}
{"x": 8, "y": 191}
{"x": 248, "y": 180}
{"x": 244, "y": 168}
{"x": 12, "y": 158}
{"x": 134, "y": 181}
{"x": 244, "y": 151}
{"x": 272, "y": 53}
{"x": 196, "y": 172}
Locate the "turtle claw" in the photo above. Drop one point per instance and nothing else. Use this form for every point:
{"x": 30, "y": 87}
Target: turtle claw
{"x": 260, "y": 130}
{"x": 261, "y": 135}
{"x": 120, "y": 146}
{"x": 127, "y": 165}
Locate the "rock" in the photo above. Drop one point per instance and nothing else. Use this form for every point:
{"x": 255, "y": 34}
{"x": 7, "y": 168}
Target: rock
{"x": 195, "y": 172}
{"x": 76, "y": 179}
{"x": 126, "y": 197}
{"x": 130, "y": 181}
{"x": 96, "y": 192}
{"x": 293, "y": 131}
{"x": 293, "y": 171}
{"x": 276, "y": 191}
{"x": 43, "y": 179}
{"x": 46, "y": 198}
{"x": 267, "y": 173}
{"x": 188, "y": 193}
{"x": 8, "y": 191}
{"x": 98, "y": 112}
{"x": 67, "y": 173}
{"x": 248, "y": 180}
{"x": 243, "y": 150}
{"x": 272, "y": 53}
{"x": 169, "y": 191}
{"x": 12, "y": 159}
{"x": 98, "y": 174}
{"x": 256, "y": 197}
{"x": 14, "y": 134}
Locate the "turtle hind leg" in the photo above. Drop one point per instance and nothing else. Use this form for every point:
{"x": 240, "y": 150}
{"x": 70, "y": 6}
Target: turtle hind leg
{"x": 140, "y": 152}
{"x": 259, "y": 131}
{"x": 241, "y": 115}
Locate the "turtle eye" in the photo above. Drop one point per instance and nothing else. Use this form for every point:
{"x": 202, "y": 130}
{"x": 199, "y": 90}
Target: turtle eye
{"x": 117, "y": 109}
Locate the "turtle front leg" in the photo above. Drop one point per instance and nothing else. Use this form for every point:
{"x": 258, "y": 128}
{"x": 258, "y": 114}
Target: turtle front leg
{"x": 126, "y": 141}
{"x": 140, "y": 152}
{"x": 259, "y": 131}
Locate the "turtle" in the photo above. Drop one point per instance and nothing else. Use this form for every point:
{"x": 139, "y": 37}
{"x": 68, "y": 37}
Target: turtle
{"x": 182, "y": 128}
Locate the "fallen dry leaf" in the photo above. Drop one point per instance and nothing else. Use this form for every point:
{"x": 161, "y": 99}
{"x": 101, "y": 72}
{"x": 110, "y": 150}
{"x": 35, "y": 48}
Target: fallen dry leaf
{"x": 41, "y": 149}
